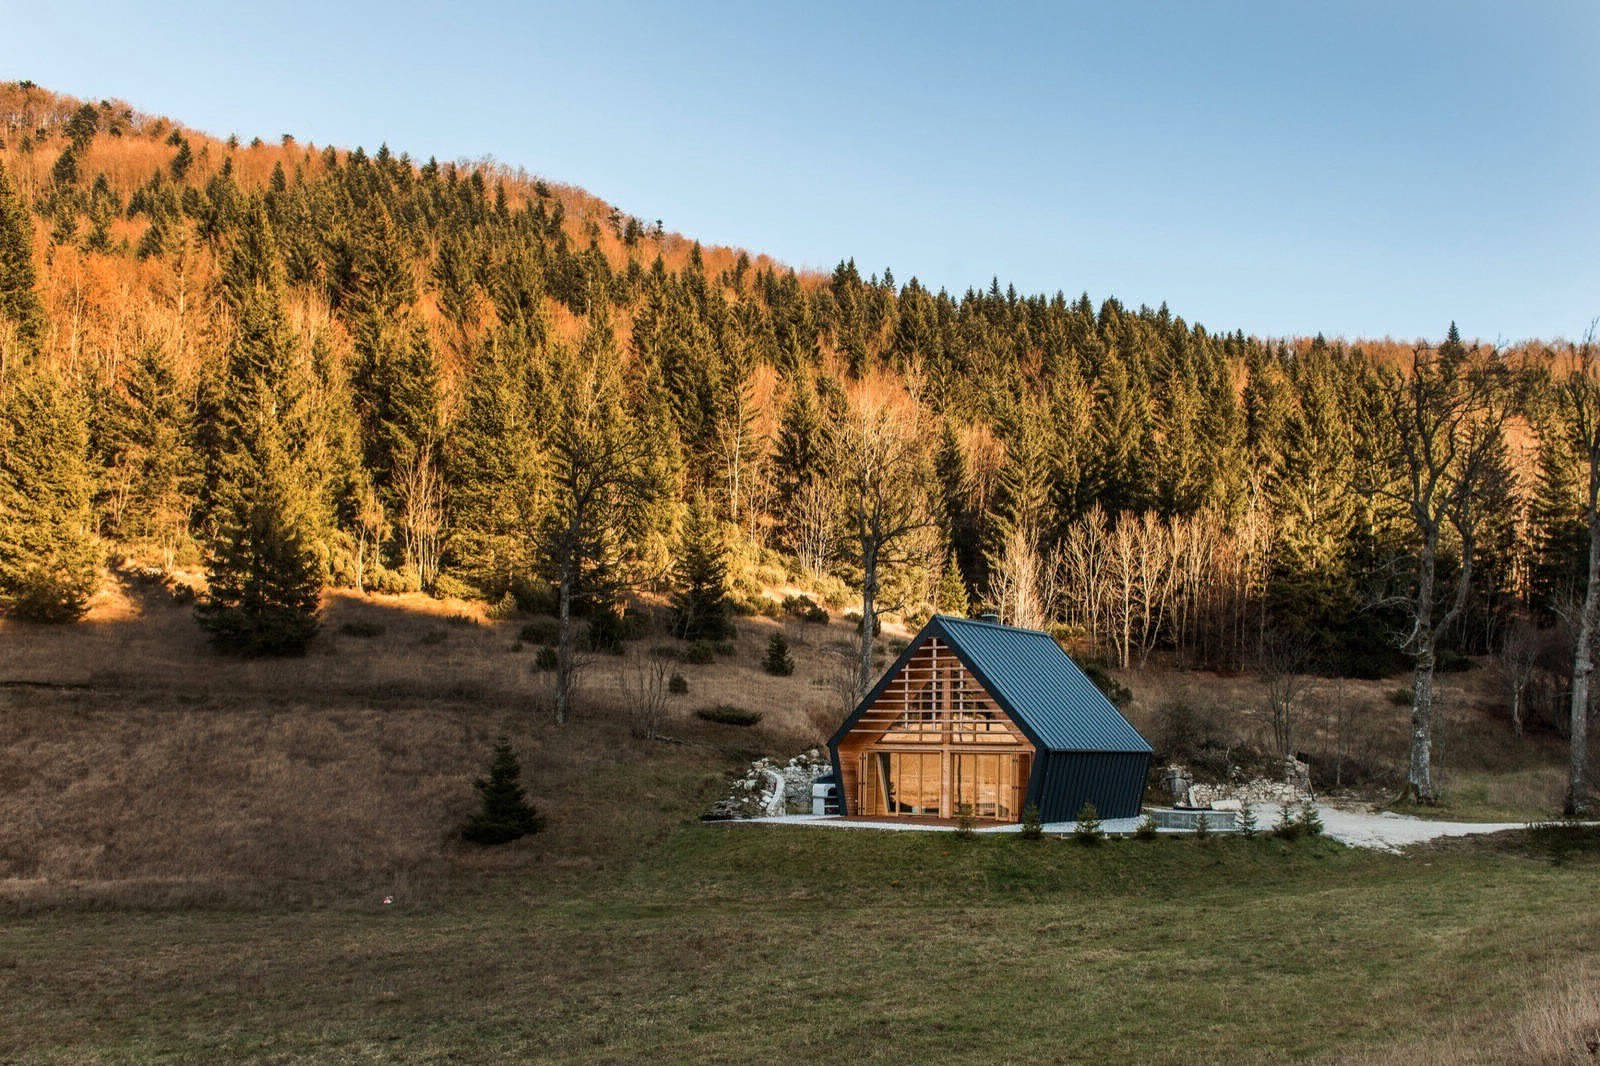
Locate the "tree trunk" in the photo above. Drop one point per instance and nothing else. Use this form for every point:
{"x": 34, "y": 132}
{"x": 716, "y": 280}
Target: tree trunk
{"x": 1419, "y": 778}
{"x": 1578, "y": 794}
{"x": 869, "y": 617}
{"x": 564, "y": 648}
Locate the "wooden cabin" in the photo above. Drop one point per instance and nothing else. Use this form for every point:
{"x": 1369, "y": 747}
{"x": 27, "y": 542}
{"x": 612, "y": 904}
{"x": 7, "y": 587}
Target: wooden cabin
{"x": 989, "y": 718}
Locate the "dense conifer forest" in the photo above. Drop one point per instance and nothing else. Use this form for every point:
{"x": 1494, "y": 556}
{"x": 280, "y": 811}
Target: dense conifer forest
{"x": 293, "y": 367}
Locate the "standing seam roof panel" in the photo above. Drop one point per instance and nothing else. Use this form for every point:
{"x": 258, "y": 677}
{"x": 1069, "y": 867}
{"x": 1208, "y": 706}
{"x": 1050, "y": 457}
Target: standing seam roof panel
{"x": 1028, "y": 670}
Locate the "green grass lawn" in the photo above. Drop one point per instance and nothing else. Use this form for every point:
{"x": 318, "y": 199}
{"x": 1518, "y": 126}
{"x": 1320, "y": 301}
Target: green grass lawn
{"x": 754, "y": 944}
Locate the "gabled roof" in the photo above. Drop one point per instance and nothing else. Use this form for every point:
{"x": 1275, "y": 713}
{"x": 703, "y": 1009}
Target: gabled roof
{"x": 1033, "y": 681}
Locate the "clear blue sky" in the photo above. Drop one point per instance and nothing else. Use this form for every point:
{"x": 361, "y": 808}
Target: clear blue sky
{"x": 1358, "y": 169}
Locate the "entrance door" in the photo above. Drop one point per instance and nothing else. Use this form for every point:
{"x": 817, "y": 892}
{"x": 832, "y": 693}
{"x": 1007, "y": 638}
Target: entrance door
{"x": 988, "y": 785}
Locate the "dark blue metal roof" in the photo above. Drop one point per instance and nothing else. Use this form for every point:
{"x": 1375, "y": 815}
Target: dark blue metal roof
{"x": 1033, "y": 681}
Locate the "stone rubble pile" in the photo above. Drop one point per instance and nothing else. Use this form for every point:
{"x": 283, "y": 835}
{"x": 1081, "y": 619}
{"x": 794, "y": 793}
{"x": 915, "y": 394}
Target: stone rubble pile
{"x": 772, "y": 788}
{"x": 1292, "y": 789}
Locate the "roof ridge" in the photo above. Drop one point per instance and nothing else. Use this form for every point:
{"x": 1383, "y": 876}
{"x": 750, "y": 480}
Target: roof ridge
{"x": 992, "y": 625}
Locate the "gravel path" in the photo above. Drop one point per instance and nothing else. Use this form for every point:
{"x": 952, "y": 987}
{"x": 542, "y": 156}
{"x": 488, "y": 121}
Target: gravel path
{"x": 1381, "y": 830}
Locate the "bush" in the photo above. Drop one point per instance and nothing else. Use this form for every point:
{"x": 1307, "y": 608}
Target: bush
{"x": 778, "y": 662}
{"x": 1310, "y": 819}
{"x": 506, "y": 813}
{"x": 965, "y": 822}
{"x": 450, "y": 585}
{"x": 1451, "y": 661}
{"x": 1146, "y": 829}
{"x": 1286, "y": 828}
{"x": 546, "y": 659}
{"x": 726, "y": 647}
{"x": 434, "y": 636}
{"x": 1032, "y": 825}
{"x": 677, "y": 684}
{"x": 725, "y": 714}
{"x": 699, "y": 653}
{"x": 1186, "y": 732}
{"x": 606, "y": 631}
{"x": 363, "y": 629}
{"x": 1088, "y": 830}
{"x": 540, "y": 631}
{"x": 806, "y": 609}
{"x": 1400, "y": 697}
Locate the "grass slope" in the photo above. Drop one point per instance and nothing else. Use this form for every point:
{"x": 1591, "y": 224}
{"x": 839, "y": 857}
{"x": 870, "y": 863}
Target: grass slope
{"x": 732, "y": 944}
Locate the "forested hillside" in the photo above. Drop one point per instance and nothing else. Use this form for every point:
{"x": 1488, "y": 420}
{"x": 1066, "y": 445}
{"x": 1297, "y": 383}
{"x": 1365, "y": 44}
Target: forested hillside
{"x": 298, "y": 367}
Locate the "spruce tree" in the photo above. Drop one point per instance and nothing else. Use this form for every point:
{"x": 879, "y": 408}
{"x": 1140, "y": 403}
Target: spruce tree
{"x": 265, "y": 580}
{"x": 21, "y": 313}
{"x": 778, "y": 661}
{"x": 701, "y": 609}
{"x": 48, "y": 553}
{"x": 951, "y": 596}
{"x": 506, "y": 814}
{"x": 146, "y": 442}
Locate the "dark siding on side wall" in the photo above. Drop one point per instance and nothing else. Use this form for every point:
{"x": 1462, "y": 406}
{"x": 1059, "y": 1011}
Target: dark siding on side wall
{"x": 1112, "y": 781}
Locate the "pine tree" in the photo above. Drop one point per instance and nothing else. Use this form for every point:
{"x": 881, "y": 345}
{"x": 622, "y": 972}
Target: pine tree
{"x": 701, "y": 609}
{"x": 48, "y": 553}
{"x": 21, "y": 313}
{"x": 506, "y": 814}
{"x": 777, "y": 661}
{"x": 265, "y": 580}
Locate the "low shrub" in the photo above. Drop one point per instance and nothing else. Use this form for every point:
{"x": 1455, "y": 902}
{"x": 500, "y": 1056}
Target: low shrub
{"x": 1451, "y": 661}
{"x": 606, "y": 631}
{"x": 1247, "y": 822}
{"x": 1087, "y": 830}
{"x": 1286, "y": 828}
{"x": 699, "y": 653}
{"x": 677, "y": 684}
{"x": 806, "y": 609}
{"x": 1032, "y": 824}
{"x": 1146, "y": 829}
{"x": 450, "y": 585}
{"x": 364, "y": 629}
{"x": 965, "y": 822}
{"x": 546, "y": 659}
{"x": 540, "y": 631}
{"x": 435, "y": 636}
{"x": 726, "y": 647}
{"x": 726, "y": 714}
{"x": 1400, "y": 697}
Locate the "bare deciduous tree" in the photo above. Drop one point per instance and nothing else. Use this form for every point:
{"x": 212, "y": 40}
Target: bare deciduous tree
{"x": 1517, "y": 658}
{"x": 1433, "y": 435}
{"x": 884, "y": 479}
{"x": 421, "y": 513}
{"x": 1282, "y": 658}
{"x": 1579, "y": 404}
{"x": 644, "y": 681}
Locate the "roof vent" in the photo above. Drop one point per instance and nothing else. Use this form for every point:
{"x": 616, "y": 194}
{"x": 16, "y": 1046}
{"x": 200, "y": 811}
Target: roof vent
{"x": 989, "y": 616}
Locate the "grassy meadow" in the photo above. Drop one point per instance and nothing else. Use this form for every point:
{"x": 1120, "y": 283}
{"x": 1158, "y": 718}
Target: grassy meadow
{"x": 194, "y": 855}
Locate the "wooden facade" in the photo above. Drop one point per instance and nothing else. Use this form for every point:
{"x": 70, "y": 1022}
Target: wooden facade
{"x": 934, "y": 743}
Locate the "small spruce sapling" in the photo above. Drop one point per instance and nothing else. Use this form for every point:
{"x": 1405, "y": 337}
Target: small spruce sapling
{"x": 1087, "y": 830}
{"x": 778, "y": 662}
{"x": 965, "y": 821}
{"x": 506, "y": 813}
{"x": 1247, "y": 822}
{"x": 1286, "y": 827}
{"x": 677, "y": 684}
{"x": 1202, "y": 828}
{"x": 1310, "y": 819}
{"x": 1032, "y": 824}
{"x": 1146, "y": 829}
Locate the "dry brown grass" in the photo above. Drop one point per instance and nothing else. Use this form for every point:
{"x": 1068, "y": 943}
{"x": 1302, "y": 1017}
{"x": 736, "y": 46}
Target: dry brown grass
{"x": 137, "y": 766}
